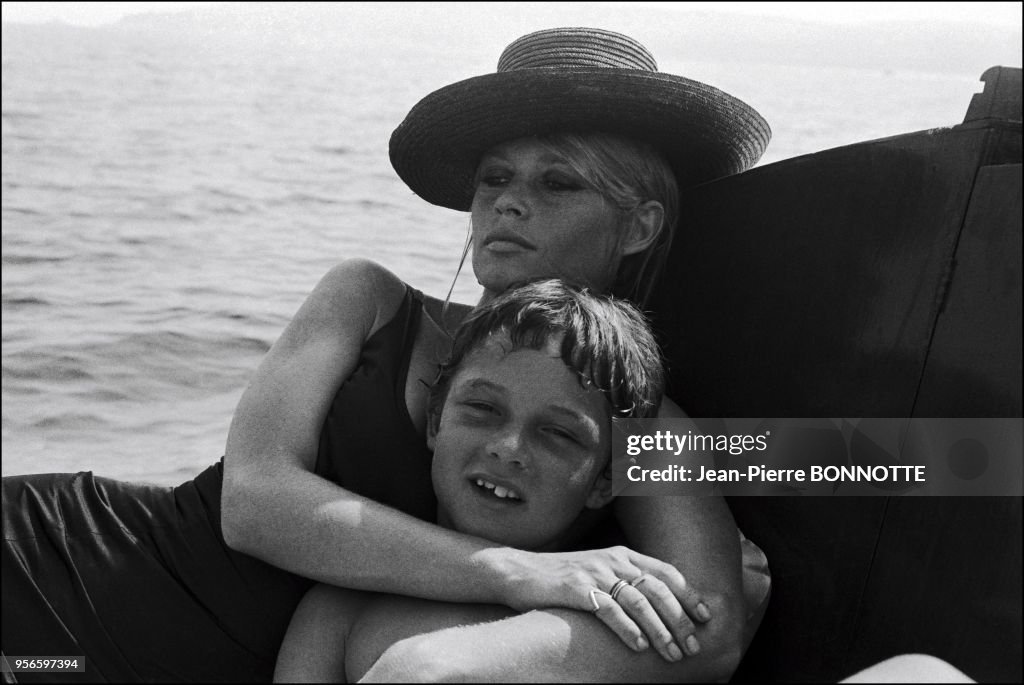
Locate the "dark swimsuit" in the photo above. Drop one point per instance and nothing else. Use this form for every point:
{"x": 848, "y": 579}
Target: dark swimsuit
{"x": 138, "y": 579}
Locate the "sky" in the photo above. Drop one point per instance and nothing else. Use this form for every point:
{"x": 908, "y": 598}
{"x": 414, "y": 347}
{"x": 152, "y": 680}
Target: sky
{"x": 996, "y": 13}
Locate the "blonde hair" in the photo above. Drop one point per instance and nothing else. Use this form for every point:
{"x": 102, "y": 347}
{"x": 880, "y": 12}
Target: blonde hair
{"x": 627, "y": 173}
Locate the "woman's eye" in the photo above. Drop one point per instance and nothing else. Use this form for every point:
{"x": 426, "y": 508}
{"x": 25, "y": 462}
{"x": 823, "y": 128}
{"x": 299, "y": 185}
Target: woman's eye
{"x": 561, "y": 184}
{"x": 493, "y": 179}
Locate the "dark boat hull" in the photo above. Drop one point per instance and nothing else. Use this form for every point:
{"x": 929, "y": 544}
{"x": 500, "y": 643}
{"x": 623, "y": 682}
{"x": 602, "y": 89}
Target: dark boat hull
{"x": 881, "y": 279}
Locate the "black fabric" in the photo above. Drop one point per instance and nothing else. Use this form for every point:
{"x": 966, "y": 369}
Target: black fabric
{"x": 137, "y": 578}
{"x": 369, "y": 414}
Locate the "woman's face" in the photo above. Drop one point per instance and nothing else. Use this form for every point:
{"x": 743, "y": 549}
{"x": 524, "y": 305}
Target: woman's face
{"x": 535, "y": 217}
{"x": 521, "y": 446}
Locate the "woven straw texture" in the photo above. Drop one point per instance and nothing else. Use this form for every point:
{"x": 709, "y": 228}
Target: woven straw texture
{"x": 573, "y": 80}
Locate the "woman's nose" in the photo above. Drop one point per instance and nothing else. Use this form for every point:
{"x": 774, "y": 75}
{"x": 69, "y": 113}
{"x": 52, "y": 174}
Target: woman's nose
{"x": 512, "y": 201}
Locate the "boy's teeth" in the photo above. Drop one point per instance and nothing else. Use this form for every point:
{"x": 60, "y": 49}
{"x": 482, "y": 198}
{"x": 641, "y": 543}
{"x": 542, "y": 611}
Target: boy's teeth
{"x": 498, "y": 490}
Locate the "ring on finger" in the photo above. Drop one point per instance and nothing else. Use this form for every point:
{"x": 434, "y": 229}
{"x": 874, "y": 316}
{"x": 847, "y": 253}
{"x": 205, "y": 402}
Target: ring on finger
{"x": 636, "y": 581}
{"x": 617, "y": 588}
{"x": 593, "y": 598}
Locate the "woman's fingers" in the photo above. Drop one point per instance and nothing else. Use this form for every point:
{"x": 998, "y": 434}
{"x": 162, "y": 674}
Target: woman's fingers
{"x": 679, "y": 605}
{"x": 608, "y": 610}
{"x": 644, "y": 601}
{"x": 670, "y": 611}
{"x": 689, "y": 597}
{"x": 654, "y": 623}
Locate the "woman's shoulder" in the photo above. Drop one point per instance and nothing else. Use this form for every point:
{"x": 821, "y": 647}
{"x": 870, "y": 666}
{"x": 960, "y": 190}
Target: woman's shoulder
{"x": 366, "y": 285}
{"x": 365, "y": 271}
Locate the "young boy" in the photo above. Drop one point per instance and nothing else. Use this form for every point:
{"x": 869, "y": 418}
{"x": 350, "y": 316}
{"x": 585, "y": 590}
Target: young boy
{"x": 520, "y": 428}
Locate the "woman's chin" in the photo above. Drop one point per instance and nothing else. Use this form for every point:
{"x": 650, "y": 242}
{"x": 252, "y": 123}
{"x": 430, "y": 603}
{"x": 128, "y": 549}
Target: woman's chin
{"x": 498, "y": 281}
{"x": 497, "y": 278}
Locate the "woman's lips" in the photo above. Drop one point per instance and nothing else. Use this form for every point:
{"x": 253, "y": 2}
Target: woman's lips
{"x": 505, "y": 246}
{"x": 503, "y": 240}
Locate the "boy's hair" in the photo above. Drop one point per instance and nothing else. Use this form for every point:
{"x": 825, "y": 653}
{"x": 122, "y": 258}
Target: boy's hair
{"x": 605, "y": 340}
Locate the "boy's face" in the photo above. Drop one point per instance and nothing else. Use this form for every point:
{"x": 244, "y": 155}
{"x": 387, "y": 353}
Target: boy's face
{"x": 521, "y": 446}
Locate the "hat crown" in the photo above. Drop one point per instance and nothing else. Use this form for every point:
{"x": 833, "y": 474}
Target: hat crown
{"x": 566, "y": 48}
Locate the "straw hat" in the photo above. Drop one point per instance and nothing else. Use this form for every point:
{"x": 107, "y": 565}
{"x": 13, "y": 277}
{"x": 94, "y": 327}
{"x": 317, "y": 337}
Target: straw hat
{"x": 573, "y": 79}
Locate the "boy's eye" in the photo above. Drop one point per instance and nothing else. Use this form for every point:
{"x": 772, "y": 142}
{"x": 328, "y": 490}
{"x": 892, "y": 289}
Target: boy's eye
{"x": 563, "y": 434}
{"x": 479, "y": 407}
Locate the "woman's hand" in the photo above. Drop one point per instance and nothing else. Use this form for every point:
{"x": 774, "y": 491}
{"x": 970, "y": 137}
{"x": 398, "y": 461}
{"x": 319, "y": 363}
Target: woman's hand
{"x": 653, "y": 605}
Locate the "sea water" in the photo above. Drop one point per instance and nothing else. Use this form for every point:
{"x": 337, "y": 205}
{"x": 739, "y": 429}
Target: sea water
{"x": 170, "y": 199}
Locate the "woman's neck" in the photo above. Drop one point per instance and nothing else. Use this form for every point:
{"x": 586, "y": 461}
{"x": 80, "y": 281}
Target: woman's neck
{"x": 487, "y": 296}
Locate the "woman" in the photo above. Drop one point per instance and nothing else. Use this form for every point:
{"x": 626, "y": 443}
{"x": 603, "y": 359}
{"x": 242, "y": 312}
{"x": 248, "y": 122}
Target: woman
{"x": 326, "y": 473}
{"x": 520, "y": 428}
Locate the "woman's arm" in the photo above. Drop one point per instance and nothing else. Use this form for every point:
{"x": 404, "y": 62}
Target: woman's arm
{"x": 698, "y": 536}
{"x": 276, "y": 509}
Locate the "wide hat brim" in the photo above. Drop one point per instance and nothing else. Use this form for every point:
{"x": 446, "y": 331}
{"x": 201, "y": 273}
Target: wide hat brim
{"x": 704, "y": 132}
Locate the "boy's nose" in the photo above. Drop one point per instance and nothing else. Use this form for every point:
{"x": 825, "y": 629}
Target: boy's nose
{"x": 509, "y": 446}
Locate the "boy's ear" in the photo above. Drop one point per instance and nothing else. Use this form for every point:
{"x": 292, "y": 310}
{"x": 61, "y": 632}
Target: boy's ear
{"x": 601, "y": 494}
{"x": 645, "y": 227}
